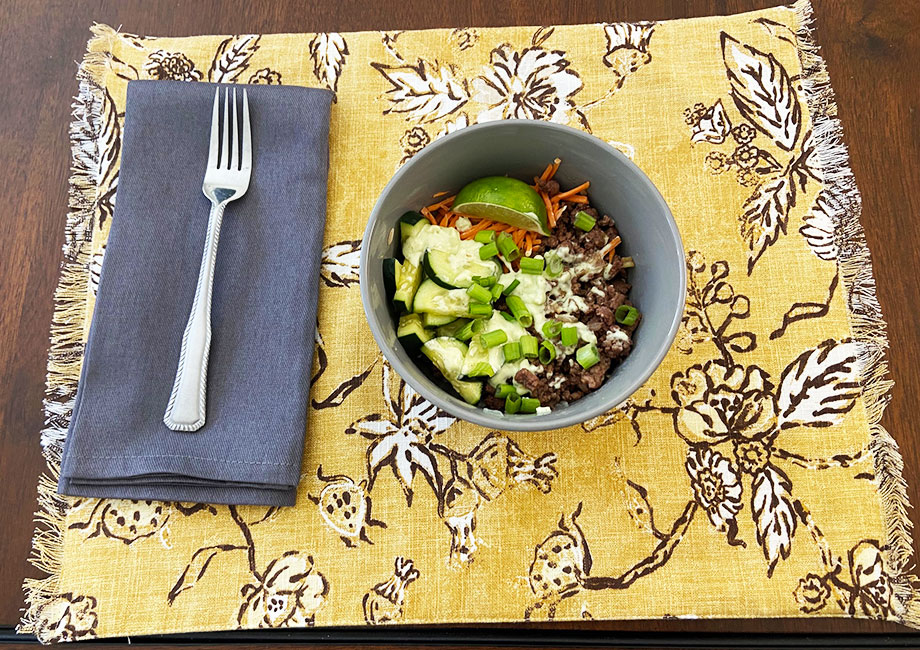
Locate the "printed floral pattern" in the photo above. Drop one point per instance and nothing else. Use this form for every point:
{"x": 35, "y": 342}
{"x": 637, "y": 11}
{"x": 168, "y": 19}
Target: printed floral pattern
{"x": 733, "y": 418}
{"x": 68, "y": 617}
{"x": 287, "y": 594}
{"x": 171, "y": 65}
{"x": 533, "y": 84}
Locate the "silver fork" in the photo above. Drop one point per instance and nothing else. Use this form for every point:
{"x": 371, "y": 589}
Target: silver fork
{"x": 225, "y": 179}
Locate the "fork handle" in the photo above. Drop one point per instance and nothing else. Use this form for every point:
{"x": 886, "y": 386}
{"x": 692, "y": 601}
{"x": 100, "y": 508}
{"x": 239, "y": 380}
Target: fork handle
{"x": 186, "y": 408}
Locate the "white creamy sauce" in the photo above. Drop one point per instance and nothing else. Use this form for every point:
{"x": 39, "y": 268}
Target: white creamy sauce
{"x": 463, "y": 224}
{"x": 431, "y": 236}
{"x": 616, "y": 334}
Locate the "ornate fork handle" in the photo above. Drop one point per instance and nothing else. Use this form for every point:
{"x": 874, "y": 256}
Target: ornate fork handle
{"x": 187, "y": 402}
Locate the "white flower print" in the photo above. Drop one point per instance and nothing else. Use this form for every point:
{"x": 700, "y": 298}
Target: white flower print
{"x": 535, "y": 84}
{"x": 716, "y": 488}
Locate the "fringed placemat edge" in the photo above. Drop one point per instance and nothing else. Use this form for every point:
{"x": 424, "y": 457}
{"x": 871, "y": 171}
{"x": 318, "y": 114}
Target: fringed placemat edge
{"x": 864, "y": 311}
{"x": 91, "y": 183}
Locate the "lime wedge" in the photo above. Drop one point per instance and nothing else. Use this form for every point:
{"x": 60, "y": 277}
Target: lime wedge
{"x": 503, "y": 199}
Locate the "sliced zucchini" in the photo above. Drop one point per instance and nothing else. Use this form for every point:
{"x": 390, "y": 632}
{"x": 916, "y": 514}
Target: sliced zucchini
{"x": 456, "y": 269}
{"x": 411, "y": 333}
{"x": 408, "y": 278}
{"x": 433, "y": 299}
{"x": 433, "y": 320}
{"x": 451, "y": 328}
{"x": 390, "y": 266}
{"x": 447, "y": 355}
{"x": 409, "y": 224}
{"x": 479, "y": 361}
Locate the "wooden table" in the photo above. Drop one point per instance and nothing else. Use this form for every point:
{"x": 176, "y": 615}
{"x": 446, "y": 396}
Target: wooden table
{"x": 872, "y": 49}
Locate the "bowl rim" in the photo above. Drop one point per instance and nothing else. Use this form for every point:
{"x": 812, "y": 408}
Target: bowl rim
{"x": 495, "y": 419}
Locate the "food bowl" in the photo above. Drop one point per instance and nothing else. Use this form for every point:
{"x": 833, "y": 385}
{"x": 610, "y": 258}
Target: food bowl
{"x": 521, "y": 148}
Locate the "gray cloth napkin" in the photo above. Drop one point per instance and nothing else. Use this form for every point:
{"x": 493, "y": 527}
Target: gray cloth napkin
{"x": 263, "y": 310}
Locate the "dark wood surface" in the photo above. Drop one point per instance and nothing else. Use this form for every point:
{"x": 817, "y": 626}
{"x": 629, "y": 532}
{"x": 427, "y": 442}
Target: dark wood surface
{"x": 872, "y": 50}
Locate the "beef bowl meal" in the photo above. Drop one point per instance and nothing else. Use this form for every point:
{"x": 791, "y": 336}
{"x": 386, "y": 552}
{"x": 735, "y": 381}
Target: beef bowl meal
{"x": 522, "y": 275}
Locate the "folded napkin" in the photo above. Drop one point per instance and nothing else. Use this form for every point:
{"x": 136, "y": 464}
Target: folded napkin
{"x": 263, "y": 310}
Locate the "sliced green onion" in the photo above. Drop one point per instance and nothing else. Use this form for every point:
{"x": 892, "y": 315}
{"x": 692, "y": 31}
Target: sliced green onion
{"x": 628, "y": 262}
{"x": 568, "y": 336}
{"x": 531, "y": 265}
{"x": 626, "y": 315}
{"x": 529, "y": 346}
{"x": 485, "y": 236}
{"x": 587, "y": 355}
{"x": 465, "y": 333}
{"x": 481, "y": 309}
{"x": 511, "y": 287}
{"x": 553, "y": 265}
{"x": 479, "y": 293}
{"x": 547, "y": 352}
{"x": 503, "y": 390}
{"x": 482, "y": 369}
{"x": 584, "y": 221}
{"x": 478, "y": 324}
{"x": 519, "y": 309}
{"x": 512, "y": 403}
{"x": 488, "y": 250}
{"x": 497, "y": 290}
{"x": 493, "y": 338}
{"x": 508, "y": 248}
{"x": 508, "y": 317}
{"x": 529, "y": 405}
{"x": 512, "y": 351}
{"x": 487, "y": 281}
{"x": 551, "y": 329}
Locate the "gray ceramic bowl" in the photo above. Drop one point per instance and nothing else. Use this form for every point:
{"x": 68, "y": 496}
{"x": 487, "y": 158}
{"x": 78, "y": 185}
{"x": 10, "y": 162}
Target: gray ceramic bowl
{"x": 521, "y": 148}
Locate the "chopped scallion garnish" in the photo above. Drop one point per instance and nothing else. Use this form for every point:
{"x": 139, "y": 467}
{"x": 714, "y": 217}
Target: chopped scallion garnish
{"x": 519, "y": 309}
{"x": 508, "y": 248}
{"x": 529, "y": 346}
{"x": 529, "y": 405}
{"x": 481, "y": 309}
{"x": 584, "y": 221}
{"x": 547, "y": 352}
{"x": 587, "y": 355}
{"x": 511, "y": 287}
{"x": 485, "y": 236}
{"x": 626, "y": 315}
{"x": 568, "y": 336}
{"x": 479, "y": 293}
{"x": 551, "y": 329}
{"x": 488, "y": 250}
{"x": 503, "y": 390}
{"x": 531, "y": 265}
{"x": 493, "y": 338}
{"x": 512, "y": 351}
{"x": 512, "y": 403}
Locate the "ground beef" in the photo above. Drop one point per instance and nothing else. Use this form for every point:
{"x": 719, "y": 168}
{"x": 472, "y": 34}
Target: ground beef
{"x": 603, "y": 292}
{"x": 550, "y": 187}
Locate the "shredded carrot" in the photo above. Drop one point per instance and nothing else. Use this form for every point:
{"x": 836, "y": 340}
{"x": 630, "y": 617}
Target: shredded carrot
{"x": 427, "y": 215}
{"x": 444, "y": 220}
{"x": 549, "y": 209}
{"x": 471, "y": 232}
{"x": 555, "y": 168}
{"x": 437, "y": 194}
{"x": 546, "y": 172}
{"x": 518, "y": 237}
{"x": 613, "y": 247}
{"x": 528, "y": 243}
{"x": 575, "y": 190}
{"x": 452, "y": 219}
{"x": 440, "y": 204}
{"x": 578, "y": 198}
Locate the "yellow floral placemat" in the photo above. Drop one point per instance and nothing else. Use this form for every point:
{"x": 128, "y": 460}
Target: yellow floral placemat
{"x": 749, "y": 478}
